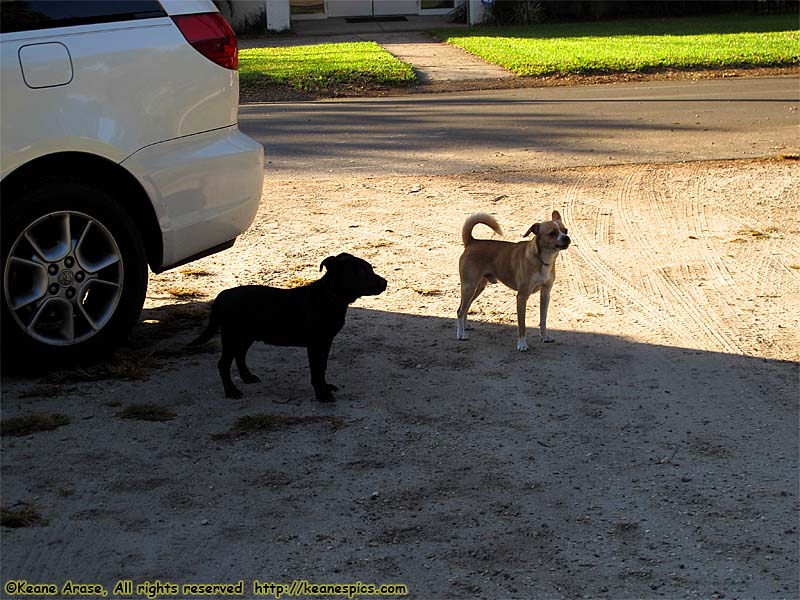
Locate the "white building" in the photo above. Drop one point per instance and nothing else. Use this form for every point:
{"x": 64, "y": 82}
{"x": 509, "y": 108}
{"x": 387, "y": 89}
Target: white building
{"x": 280, "y": 14}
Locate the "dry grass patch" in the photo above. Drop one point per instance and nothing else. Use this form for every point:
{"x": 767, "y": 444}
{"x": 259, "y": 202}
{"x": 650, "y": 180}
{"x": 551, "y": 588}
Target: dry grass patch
{"x": 374, "y": 244}
{"x": 297, "y": 281}
{"x": 166, "y": 316}
{"x": 47, "y": 391}
{"x": 757, "y": 234}
{"x": 188, "y": 312}
{"x": 29, "y": 424}
{"x": 253, "y": 424}
{"x": 125, "y": 364}
{"x": 152, "y": 342}
{"x": 147, "y": 412}
{"x": 22, "y": 516}
{"x": 168, "y": 322}
{"x": 196, "y": 272}
{"x": 184, "y": 293}
{"x": 429, "y": 292}
{"x": 301, "y": 267}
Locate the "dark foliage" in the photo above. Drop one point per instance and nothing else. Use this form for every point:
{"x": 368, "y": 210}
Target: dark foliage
{"x": 525, "y": 12}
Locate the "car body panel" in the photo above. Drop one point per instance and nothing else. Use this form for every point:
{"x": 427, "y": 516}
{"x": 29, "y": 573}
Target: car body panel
{"x": 205, "y": 188}
{"x": 45, "y": 65}
{"x": 181, "y": 7}
{"x": 138, "y": 94}
{"x": 148, "y": 85}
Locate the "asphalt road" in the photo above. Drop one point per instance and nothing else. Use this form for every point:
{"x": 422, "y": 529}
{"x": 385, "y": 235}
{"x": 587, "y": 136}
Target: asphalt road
{"x": 529, "y": 128}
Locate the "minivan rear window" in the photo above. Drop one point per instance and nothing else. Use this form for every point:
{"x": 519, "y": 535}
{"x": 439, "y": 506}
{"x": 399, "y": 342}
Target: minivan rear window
{"x": 24, "y": 15}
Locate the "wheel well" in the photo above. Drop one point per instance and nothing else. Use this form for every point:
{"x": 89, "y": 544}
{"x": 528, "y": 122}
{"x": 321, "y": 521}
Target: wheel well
{"x": 92, "y": 169}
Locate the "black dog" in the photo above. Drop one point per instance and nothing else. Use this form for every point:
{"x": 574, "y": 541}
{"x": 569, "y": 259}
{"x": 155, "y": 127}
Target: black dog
{"x": 308, "y": 316}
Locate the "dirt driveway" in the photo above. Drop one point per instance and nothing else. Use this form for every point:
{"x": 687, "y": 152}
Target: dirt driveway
{"x": 652, "y": 451}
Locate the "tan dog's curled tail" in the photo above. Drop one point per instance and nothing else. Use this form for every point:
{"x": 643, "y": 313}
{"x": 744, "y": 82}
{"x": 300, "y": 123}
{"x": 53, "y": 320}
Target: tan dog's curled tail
{"x": 472, "y": 220}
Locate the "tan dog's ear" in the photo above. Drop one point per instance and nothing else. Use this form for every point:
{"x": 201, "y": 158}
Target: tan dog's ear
{"x": 556, "y": 216}
{"x": 534, "y": 228}
{"x": 327, "y": 263}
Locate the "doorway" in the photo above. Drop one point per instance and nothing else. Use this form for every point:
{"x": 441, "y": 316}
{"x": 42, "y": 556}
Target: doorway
{"x": 306, "y": 9}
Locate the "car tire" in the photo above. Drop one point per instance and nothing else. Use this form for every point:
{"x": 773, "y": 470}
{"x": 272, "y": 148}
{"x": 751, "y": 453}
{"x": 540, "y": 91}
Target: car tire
{"x": 74, "y": 275}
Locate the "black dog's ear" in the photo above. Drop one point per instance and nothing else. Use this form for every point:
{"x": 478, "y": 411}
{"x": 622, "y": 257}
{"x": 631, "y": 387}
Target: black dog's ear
{"x": 327, "y": 263}
{"x": 343, "y": 258}
{"x": 533, "y": 229}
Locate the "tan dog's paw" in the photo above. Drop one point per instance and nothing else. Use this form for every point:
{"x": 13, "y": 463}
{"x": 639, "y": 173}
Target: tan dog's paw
{"x": 461, "y": 333}
{"x": 547, "y": 339}
{"x": 522, "y": 345}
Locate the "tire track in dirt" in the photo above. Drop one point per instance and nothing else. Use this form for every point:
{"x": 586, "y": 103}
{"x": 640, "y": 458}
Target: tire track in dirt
{"x": 690, "y": 294}
{"x": 765, "y": 324}
{"x": 578, "y": 285}
{"x": 774, "y": 278}
{"x": 785, "y": 268}
{"x": 56, "y": 561}
{"x": 651, "y": 317}
{"x": 766, "y": 264}
{"x": 640, "y": 187}
{"x": 696, "y": 218}
{"x": 782, "y": 254}
{"x": 31, "y": 561}
{"x": 725, "y": 310}
{"x": 777, "y": 263}
{"x": 766, "y": 279}
{"x": 714, "y": 305}
{"x": 603, "y": 236}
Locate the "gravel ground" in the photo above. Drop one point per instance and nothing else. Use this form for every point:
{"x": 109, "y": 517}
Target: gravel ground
{"x": 651, "y": 451}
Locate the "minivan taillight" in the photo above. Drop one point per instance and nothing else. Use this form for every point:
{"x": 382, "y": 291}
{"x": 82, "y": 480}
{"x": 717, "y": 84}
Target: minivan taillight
{"x": 211, "y": 36}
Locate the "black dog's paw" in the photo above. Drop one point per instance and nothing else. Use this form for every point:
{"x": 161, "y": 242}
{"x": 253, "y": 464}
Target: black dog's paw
{"x": 234, "y": 393}
{"x": 251, "y": 378}
{"x": 325, "y": 393}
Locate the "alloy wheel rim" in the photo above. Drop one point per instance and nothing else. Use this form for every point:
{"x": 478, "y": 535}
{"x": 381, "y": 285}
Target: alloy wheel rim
{"x": 63, "y": 278}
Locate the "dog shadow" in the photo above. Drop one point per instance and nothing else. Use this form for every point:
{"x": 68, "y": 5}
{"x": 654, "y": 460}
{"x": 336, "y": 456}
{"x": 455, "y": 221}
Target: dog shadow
{"x": 377, "y": 348}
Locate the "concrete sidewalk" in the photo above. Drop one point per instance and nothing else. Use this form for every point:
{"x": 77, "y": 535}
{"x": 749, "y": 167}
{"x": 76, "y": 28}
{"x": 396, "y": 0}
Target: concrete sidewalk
{"x": 433, "y": 61}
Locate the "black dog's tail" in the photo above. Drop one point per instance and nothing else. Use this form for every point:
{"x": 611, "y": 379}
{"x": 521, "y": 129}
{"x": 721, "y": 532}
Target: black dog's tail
{"x": 211, "y": 329}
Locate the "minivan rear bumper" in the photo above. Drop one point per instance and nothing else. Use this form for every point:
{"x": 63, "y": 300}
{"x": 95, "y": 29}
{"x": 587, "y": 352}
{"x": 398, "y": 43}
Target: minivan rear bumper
{"x": 205, "y": 189}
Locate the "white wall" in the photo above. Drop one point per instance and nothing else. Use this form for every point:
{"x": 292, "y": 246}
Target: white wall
{"x": 477, "y": 12}
{"x": 240, "y": 12}
{"x": 278, "y": 15}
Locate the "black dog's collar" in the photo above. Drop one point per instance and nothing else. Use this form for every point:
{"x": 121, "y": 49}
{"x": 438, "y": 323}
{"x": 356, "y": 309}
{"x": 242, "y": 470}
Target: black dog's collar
{"x": 336, "y": 298}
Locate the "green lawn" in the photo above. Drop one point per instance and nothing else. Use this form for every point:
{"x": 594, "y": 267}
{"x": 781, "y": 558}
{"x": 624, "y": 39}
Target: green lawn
{"x": 314, "y": 68}
{"x": 640, "y": 45}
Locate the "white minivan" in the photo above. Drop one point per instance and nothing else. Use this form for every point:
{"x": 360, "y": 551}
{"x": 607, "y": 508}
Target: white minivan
{"x": 120, "y": 150}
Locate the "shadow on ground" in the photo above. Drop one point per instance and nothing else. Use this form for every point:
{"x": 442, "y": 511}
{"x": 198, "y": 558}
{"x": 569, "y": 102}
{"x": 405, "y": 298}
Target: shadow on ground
{"x": 594, "y": 466}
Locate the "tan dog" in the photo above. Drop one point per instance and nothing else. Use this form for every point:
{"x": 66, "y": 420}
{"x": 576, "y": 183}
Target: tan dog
{"x": 525, "y": 267}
